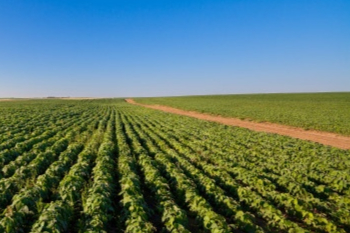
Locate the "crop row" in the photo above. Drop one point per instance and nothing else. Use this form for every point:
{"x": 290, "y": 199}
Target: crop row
{"x": 104, "y": 166}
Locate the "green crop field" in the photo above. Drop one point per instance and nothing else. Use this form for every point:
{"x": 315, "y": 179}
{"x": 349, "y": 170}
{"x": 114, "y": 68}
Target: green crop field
{"x": 318, "y": 111}
{"x": 108, "y": 166}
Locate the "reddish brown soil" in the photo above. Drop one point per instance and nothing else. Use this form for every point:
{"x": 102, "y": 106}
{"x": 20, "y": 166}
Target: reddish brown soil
{"x": 325, "y": 138}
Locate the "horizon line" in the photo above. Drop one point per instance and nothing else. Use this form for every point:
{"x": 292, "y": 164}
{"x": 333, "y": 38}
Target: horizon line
{"x": 212, "y": 94}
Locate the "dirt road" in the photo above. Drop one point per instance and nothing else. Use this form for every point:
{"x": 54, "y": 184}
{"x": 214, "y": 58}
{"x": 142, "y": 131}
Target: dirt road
{"x": 325, "y": 138}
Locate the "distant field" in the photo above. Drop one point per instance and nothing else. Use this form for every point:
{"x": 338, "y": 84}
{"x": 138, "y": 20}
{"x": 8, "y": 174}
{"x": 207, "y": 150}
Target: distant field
{"x": 319, "y": 111}
{"x": 108, "y": 166}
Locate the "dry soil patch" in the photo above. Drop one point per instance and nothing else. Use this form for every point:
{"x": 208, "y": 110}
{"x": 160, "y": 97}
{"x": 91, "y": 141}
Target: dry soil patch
{"x": 325, "y": 138}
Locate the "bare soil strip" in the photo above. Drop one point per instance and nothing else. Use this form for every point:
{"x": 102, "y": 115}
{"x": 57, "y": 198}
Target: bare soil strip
{"x": 325, "y": 138}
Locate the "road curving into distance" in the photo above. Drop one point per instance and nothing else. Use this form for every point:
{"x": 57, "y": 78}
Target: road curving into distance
{"x": 325, "y": 138}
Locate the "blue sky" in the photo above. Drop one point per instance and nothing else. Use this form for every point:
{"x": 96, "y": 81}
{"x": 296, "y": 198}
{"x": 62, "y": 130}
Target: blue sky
{"x": 160, "y": 47}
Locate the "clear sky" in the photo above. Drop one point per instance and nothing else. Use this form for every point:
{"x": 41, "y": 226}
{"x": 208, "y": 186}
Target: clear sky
{"x": 172, "y": 47}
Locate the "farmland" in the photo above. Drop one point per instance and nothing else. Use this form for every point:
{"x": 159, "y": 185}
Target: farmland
{"x": 318, "y": 111}
{"x": 108, "y": 166}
